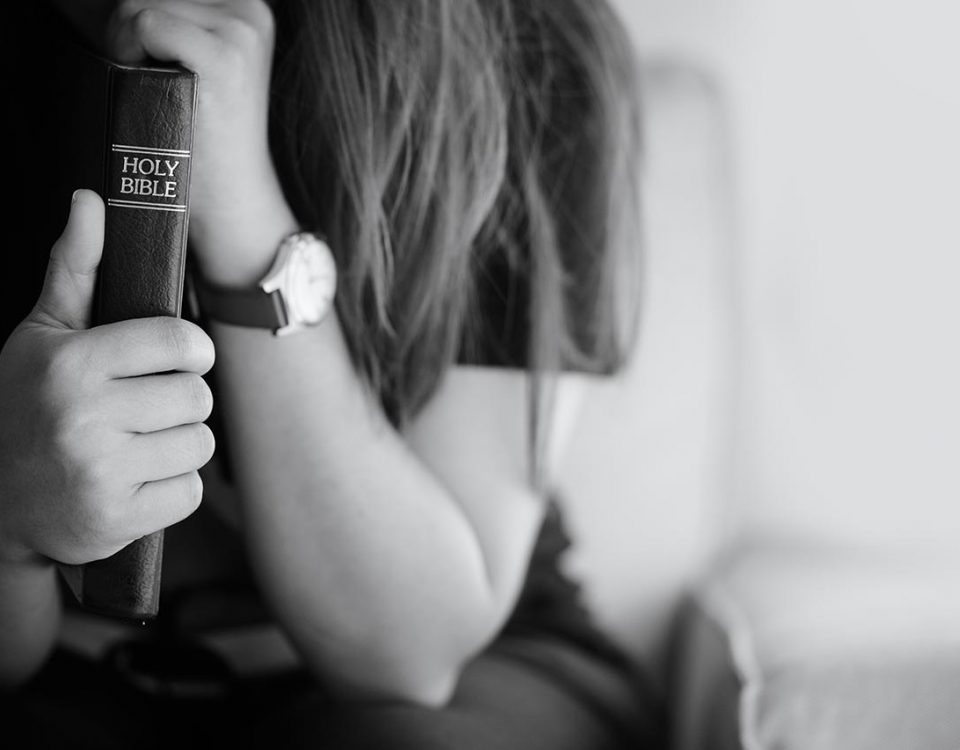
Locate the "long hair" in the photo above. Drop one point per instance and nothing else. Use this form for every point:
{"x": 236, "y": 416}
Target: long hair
{"x": 441, "y": 145}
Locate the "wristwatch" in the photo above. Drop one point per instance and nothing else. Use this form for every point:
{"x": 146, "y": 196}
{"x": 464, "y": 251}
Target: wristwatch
{"x": 296, "y": 293}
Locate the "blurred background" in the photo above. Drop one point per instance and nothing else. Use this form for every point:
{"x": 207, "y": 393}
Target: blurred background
{"x": 798, "y": 376}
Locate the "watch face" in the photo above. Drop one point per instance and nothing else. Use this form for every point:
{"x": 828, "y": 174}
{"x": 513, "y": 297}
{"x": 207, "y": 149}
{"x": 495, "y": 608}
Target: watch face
{"x": 304, "y": 275}
{"x": 310, "y": 281}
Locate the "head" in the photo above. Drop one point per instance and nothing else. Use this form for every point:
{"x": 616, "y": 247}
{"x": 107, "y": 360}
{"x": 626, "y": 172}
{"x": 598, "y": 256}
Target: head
{"x": 433, "y": 140}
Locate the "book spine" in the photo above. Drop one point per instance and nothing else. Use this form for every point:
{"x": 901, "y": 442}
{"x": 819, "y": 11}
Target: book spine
{"x": 150, "y": 125}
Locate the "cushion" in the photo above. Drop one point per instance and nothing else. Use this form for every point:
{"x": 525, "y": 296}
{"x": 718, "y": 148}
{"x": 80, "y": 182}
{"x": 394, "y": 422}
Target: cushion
{"x": 811, "y": 648}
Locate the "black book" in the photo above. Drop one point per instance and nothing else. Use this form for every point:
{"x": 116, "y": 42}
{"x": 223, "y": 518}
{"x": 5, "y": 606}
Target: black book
{"x": 127, "y": 133}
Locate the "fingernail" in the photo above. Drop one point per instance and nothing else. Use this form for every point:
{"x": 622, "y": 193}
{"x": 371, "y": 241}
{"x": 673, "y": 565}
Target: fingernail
{"x": 73, "y": 198}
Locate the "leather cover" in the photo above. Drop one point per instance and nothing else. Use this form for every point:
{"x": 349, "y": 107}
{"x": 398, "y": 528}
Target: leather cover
{"x": 128, "y": 133}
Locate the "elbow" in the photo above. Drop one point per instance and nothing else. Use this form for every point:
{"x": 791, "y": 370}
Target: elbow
{"x": 26, "y": 652}
{"x": 433, "y": 690}
{"x": 414, "y": 664}
{"x": 18, "y": 668}
{"x": 22, "y": 658}
{"x": 422, "y": 672}
{"x": 408, "y": 679}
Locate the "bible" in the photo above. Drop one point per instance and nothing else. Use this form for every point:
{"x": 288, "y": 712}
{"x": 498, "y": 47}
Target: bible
{"x": 126, "y": 132}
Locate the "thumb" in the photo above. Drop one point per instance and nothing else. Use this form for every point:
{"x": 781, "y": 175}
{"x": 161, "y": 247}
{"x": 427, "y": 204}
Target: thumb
{"x": 66, "y": 299}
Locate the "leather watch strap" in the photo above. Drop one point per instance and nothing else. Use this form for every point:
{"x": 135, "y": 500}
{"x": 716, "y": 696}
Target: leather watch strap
{"x": 251, "y": 308}
{"x": 295, "y": 293}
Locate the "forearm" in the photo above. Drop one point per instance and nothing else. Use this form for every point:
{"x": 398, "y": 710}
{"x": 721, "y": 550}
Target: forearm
{"x": 369, "y": 562}
{"x": 29, "y": 619}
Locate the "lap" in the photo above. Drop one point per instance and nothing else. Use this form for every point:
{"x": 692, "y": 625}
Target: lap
{"x": 518, "y": 695}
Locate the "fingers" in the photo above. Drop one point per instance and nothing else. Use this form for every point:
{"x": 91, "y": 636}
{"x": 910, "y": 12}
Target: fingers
{"x": 135, "y": 485}
{"x": 157, "y": 33}
{"x": 159, "y": 505}
{"x": 212, "y": 15}
{"x": 185, "y": 31}
{"x": 146, "y": 346}
{"x": 156, "y": 456}
{"x": 66, "y": 299}
{"x": 125, "y": 18}
{"x": 151, "y": 403}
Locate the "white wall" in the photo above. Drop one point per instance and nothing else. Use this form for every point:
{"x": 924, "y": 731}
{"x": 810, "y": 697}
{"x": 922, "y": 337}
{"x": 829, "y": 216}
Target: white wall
{"x": 842, "y": 292}
{"x": 848, "y": 159}
{"x": 852, "y": 171}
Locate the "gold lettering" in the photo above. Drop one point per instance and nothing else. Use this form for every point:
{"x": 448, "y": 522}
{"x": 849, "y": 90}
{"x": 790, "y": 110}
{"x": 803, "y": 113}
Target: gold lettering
{"x": 149, "y": 168}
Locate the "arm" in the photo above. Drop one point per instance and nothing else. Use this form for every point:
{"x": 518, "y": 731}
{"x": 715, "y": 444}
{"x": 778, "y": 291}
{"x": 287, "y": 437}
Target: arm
{"x": 29, "y": 618}
{"x": 96, "y": 448}
{"x": 390, "y": 559}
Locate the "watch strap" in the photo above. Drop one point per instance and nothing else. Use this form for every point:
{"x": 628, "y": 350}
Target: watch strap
{"x": 251, "y": 308}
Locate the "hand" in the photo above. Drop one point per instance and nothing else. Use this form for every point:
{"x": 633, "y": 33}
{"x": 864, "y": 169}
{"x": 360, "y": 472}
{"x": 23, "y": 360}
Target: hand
{"x": 235, "y": 196}
{"x": 101, "y": 429}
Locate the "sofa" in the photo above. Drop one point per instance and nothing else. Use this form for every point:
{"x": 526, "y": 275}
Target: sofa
{"x": 740, "y": 496}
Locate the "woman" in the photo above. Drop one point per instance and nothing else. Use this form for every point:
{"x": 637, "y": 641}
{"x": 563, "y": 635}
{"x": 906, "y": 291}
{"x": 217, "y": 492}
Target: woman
{"x": 381, "y": 491}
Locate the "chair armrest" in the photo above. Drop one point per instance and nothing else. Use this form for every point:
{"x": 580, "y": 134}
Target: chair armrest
{"x": 814, "y": 649}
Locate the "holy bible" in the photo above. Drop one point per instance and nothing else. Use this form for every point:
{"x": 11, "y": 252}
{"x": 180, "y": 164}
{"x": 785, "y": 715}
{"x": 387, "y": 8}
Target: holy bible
{"x": 126, "y": 132}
